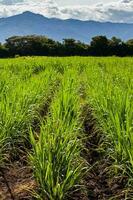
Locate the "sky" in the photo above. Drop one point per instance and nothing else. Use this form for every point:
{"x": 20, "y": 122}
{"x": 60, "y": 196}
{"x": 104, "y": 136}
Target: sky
{"x": 99, "y": 10}
{"x": 82, "y": 2}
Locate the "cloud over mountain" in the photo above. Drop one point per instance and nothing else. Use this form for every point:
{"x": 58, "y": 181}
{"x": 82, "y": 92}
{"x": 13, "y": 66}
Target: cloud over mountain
{"x": 120, "y": 11}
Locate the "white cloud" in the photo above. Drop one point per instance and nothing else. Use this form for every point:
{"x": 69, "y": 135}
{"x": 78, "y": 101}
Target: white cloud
{"x": 10, "y": 2}
{"x": 120, "y": 11}
{"x": 45, "y": 7}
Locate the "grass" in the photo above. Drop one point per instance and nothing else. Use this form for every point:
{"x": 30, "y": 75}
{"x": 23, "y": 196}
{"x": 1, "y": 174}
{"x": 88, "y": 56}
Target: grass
{"x": 56, "y": 153}
{"x": 22, "y": 95}
{"x": 105, "y": 84}
{"x": 111, "y": 98}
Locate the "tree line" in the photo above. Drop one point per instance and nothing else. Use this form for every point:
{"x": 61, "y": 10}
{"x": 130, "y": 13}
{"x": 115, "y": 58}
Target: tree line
{"x": 33, "y": 45}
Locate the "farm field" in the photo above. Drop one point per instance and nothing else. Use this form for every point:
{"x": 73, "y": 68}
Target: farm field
{"x": 66, "y": 128}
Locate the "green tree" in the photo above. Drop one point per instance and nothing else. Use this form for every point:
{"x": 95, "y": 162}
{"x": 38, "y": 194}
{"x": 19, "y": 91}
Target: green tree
{"x": 31, "y": 45}
{"x": 73, "y": 47}
{"x": 3, "y": 51}
{"x": 117, "y": 47}
{"x": 130, "y": 46}
{"x": 99, "y": 46}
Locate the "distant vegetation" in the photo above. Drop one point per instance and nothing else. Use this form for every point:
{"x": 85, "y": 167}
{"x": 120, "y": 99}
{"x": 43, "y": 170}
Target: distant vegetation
{"x": 42, "y": 46}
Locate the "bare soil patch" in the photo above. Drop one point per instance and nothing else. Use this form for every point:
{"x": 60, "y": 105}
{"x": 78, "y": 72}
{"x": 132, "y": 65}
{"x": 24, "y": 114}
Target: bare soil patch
{"x": 16, "y": 177}
{"x": 16, "y": 182}
{"x": 99, "y": 183}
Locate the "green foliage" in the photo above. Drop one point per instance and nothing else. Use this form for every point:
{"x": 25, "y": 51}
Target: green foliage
{"x": 22, "y": 93}
{"x": 56, "y": 154}
{"x": 100, "y": 46}
{"x": 103, "y": 83}
{"x": 34, "y": 45}
{"x": 110, "y": 93}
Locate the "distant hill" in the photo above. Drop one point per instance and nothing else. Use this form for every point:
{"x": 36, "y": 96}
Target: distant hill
{"x": 29, "y": 23}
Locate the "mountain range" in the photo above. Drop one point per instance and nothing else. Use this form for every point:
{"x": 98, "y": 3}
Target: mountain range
{"x": 29, "y": 23}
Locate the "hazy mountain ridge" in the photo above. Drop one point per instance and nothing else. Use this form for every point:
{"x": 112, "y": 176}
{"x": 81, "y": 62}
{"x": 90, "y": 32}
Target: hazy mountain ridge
{"x": 29, "y": 23}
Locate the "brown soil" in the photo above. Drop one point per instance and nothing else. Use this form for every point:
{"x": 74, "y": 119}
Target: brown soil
{"x": 16, "y": 177}
{"x": 16, "y": 182}
{"x": 99, "y": 184}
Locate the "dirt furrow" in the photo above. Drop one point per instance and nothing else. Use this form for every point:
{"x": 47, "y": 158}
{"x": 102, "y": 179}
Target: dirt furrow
{"x": 99, "y": 183}
{"x": 16, "y": 177}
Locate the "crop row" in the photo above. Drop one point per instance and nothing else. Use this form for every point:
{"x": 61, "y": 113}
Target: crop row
{"x": 56, "y": 148}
